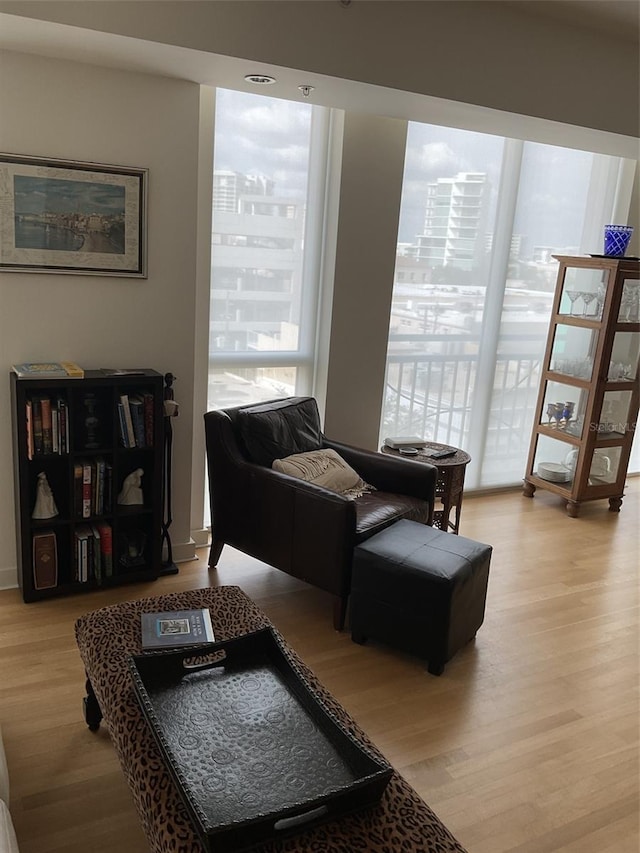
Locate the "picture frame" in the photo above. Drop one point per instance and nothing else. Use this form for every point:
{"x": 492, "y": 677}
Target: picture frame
{"x": 67, "y": 216}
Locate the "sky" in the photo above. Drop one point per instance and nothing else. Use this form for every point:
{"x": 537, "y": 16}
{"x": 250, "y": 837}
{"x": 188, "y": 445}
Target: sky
{"x": 262, "y": 135}
{"x": 37, "y": 195}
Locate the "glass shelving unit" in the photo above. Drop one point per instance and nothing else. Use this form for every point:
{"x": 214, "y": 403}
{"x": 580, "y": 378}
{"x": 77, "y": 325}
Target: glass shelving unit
{"x": 588, "y": 400}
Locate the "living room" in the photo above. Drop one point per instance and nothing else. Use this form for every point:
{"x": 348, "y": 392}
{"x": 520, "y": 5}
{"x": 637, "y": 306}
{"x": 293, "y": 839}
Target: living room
{"x": 83, "y": 106}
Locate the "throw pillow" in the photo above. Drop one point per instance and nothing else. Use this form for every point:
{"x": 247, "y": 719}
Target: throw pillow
{"x": 324, "y": 468}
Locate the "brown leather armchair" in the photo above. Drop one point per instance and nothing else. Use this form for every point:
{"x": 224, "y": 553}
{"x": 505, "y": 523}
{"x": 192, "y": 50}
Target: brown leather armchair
{"x": 296, "y": 526}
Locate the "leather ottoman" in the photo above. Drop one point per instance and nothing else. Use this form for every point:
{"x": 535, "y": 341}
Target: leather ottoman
{"x": 419, "y": 589}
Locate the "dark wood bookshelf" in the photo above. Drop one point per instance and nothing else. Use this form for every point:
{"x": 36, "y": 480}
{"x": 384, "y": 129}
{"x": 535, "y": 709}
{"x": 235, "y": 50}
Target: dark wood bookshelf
{"x": 95, "y": 441}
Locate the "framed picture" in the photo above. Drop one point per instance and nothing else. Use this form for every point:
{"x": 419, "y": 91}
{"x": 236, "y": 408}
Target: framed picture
{"x": 63, "y": 216}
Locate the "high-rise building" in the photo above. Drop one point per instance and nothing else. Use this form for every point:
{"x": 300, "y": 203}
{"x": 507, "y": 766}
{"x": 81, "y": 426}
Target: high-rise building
{"x": 455, "y": 221}
{"x": 229, "y": 186}
{"x": 256, "y": 264}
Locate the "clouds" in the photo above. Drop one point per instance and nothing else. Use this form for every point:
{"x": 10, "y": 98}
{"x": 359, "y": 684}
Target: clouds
{"x": 259, "y": 135}
{"x": 35, "y": 195}
{"x": 431, "y": 157}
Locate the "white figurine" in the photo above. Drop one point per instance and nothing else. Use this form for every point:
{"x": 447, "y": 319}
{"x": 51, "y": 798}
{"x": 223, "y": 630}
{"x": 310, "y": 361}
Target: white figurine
{"x": 45, "y": 505}
{"x": 131, "y": 494}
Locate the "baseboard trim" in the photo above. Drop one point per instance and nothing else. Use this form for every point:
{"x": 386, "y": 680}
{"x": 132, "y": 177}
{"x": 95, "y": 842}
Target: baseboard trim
{"x": 184, "y": 551}
{"x": 201, "y": 537}
{"x": 8, "y": 578}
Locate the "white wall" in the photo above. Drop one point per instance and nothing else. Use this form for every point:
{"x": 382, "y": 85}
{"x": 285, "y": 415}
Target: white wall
{"x": 70, "y": 111}
{"x": 370, "y": 193}
{"x": 504, "y": 55}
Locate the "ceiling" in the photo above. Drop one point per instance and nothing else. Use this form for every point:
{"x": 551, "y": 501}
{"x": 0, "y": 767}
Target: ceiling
{"x": 621, "y": 17}
{"x": 47, "y": 38}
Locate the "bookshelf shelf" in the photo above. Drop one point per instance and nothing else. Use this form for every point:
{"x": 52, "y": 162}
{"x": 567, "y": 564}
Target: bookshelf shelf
{"x": 73, "y": 431}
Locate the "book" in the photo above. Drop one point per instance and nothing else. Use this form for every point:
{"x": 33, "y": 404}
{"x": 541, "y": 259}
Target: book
{"x": 96, "y": 555}
{"x": 396, "y": 442}
{"x": 45, "y": 560}
{"x": 47, "y": 425}
{"x": 123, "y": 371}
{"x": 87, "y": 478}
{"x": 126, "y": 411}
{"x": 83, "y": 535}
{"x": 175, "y": 628}
{"x": 36, "y": 411}
{"x": 148, "y": 419}
{"x": 29, "y": 420}
{"x": 63, "y": 416}
{"x": 77, "y": 489}
{"x": 136, "y": 406}
{"x": 48, "y": 370}
{"x": 106, "y": 549}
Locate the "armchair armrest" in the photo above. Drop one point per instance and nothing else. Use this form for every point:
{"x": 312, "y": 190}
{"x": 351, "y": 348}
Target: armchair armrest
{"x": 389, "y": 473}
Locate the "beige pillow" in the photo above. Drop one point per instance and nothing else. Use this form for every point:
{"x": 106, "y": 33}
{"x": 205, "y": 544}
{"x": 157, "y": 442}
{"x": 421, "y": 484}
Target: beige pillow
{"x": 323, "y": 468}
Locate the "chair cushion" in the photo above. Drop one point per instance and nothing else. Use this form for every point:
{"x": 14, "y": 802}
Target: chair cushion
{"x": 323, "y": 468}
{"x": 280, "y": 429}
{"x": 376, "y": 511}
{"x": 4, "y": 774}
{"x": 8, "y": 840}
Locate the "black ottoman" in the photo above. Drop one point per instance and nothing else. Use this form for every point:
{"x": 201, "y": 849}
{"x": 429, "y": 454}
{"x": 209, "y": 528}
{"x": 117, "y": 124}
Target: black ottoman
{"x": 420, "y": 589}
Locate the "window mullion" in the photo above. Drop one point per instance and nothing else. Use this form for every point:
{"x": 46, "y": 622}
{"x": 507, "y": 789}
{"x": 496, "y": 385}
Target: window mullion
{"x": 492, "y": 313}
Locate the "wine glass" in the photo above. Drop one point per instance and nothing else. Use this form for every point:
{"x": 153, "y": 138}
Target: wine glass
{"x": 587, "y": 298}
{"x": 600, "y": 297}
{"x": 572, "y": 295}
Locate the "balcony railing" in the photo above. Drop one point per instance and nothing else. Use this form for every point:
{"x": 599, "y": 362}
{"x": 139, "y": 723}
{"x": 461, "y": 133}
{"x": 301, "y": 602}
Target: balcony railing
{"x": 431, "y": 394}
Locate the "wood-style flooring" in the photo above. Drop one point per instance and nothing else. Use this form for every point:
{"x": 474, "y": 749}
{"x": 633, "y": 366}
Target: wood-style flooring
{"x": 527, "y": 743}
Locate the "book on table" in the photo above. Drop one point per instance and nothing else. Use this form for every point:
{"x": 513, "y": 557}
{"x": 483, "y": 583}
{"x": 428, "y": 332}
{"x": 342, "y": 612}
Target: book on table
{"x": 396, "y": 442}
{"x": 172, "y": 629}
{"x": 48, "y": 370}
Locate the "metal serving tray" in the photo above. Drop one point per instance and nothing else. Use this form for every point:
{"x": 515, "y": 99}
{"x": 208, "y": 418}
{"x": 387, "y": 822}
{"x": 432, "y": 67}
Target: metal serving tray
{"x": 253, "y": 752}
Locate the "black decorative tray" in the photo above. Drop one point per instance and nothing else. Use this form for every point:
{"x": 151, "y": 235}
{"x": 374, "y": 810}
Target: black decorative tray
{"x": 253, "y": 752}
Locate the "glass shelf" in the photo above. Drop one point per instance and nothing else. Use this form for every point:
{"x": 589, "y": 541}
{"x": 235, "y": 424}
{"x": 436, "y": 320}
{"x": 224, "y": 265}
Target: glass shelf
{"x": 615, "y": 415}
{"x": 563, "y": 408}
{"x": 630, "y": 301}
{"x": 556, "y": 463}
{"x": 572, "y": 351}
{"x": 583, "y": 292}
{"x": 625, "y": 354}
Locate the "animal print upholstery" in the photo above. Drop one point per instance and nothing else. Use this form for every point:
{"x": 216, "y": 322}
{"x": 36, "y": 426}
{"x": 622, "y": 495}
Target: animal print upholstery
{"x": 106, "y": 637}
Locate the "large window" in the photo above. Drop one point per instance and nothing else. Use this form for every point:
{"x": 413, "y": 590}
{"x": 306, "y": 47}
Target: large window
{"x": 481, "y": 217}
{"x": 269, "y": 160}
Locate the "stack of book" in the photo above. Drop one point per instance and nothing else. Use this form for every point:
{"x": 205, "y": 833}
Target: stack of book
{"x": 92, "y": 487}
{"x": 47, "y": 425}
{"x": 93, "y": 557}
{"x": 135, "y": 418}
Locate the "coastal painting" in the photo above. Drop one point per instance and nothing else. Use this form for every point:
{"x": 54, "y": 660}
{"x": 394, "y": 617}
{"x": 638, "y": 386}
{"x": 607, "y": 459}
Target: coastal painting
{"x": 67, "y": 217}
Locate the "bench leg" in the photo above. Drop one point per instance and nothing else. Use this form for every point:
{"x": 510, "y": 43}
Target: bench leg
{"x": 91, "y": 709}
{"x": 435, "y": 667}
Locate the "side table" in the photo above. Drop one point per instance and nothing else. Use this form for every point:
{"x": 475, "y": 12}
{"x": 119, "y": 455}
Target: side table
{"x": 449, "y": 484}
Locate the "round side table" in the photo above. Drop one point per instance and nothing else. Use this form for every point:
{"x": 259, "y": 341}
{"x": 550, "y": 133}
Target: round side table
{"x": 449, "y": 483}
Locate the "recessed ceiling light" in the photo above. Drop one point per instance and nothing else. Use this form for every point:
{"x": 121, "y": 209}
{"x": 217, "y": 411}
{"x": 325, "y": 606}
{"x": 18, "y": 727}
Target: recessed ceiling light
{"x": 259, "y": 79}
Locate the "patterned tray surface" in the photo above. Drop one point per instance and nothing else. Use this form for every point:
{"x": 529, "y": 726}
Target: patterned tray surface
{"x": 247, "y": 740}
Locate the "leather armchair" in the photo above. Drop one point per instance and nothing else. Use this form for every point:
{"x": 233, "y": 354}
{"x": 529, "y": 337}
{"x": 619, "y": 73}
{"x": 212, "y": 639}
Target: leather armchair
{"x": 296, "y": 526}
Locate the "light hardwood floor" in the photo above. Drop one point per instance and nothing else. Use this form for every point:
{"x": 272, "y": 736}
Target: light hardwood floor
{"x": 528, "y": 743}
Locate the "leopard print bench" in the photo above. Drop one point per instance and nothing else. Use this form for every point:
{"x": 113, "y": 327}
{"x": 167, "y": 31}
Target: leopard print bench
{"x": 106, "y": 638}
